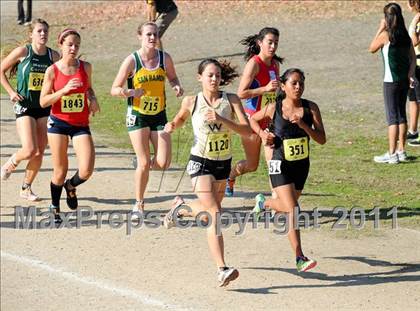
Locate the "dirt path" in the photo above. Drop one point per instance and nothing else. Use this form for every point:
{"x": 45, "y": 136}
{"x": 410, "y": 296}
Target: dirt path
{"x": 152, "y": 269}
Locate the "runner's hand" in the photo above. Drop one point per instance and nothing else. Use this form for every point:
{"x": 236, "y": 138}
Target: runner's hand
{"x": 296, "y": 119}
{"x": 268, "y": 138}
{"x": 16, "y": 97}
{"x": 211, "y": 115}
{"x": 169, "y": 127}
{"x": 272, "y": 86}
{"x": 72, "y": 85}
{"x": 178, "y": 90}
{"x": 136, "y": 92}
{"x": 94, "y": 107}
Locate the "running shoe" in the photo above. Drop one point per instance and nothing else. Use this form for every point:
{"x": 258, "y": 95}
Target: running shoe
{"x": 8, "y": 168}
{"x": 138, "y": 210}
{"x": 387, "y": 158}
{"x": 402, "y": 156}
{"x": 259, "y": 206}
{"x": 71, "y": 196}
{"x": 229, "y": 187}
{"x": 29, "y": 195}
{"x": 411, "y": 136}
{"x": 169, "y": 219}
{"x": 226, "y": 276}
{"x": 414, "y": 143}
{"x": 304, "y": 264}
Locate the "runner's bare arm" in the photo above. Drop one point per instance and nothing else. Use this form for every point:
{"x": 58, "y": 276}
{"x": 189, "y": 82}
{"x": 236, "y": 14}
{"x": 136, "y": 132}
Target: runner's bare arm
{"x": 172, "y": 77}
{"x": 48, "y": 97}
{"x": 14, "y": 57}
{"x": 317, "y": 132}
{"x": 186, "y": 109}
{"x": 250, "y": 71}
{"x": 93, "y": 102}
{"x": 267, "y": 113}
{"x": 126, "y": 69}
{"x": 380, "y": 38}
{"x": 242, "y": 126}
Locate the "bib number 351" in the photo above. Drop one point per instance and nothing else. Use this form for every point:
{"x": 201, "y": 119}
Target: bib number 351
{"x": 296, "y": 148}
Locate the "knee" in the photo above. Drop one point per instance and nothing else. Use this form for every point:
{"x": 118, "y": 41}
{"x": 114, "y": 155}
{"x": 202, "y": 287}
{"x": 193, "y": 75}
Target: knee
{"x": 163, "y": 165}
{"x": 252, "y": 167}
{"x": 143, "y": 164}
{"x": 40, "y": 152}
{"x": 59, "y": 176}
{"x": 29, "y": 153}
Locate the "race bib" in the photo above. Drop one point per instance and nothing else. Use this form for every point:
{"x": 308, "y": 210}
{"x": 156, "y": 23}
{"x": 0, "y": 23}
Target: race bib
{"x": 35, "y": 81}
{"x": 218, "y": 145}
{"x": 73, "y": 103}
{"x": 274, "y": 167}
{"x": 150, "y": 105}
{"x": 296, "y": 148}
{"x": 130, "y": 120}
{"x": 18, "y": 108}
{"x": 268, "y": 98}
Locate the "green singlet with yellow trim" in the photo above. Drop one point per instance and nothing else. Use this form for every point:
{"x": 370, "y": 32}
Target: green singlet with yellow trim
{"x": 149, "y": 109}
{"x": 30, "y": 76}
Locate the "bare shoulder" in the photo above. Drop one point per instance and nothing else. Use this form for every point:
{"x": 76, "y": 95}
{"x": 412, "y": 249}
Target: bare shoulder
{"x": 50, "y": 71}
{"x": 233, "y": 98}
{"x": 188, "y": 101}
{"x": 313, "y": 106}
{"x": 55, "y": 55}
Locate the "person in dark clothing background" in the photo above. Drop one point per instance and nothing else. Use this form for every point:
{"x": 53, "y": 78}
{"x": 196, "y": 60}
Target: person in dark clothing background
{"x": 22, "y": 19}
{"x": 163, "y": 13}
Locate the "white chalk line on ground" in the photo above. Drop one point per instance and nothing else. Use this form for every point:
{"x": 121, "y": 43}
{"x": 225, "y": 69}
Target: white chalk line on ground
{"x": 102, "y": 284}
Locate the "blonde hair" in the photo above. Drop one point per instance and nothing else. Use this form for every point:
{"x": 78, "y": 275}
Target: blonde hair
{"x": 141, "y": 26}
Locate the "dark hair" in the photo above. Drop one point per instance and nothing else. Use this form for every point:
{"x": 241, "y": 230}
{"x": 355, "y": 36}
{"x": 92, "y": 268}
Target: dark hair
{"x": 252, "y": 46}
{"x": 227, "y": 71}
{"x": 289, "y": 72}
{"x": 285, "y": 76}
{"x": 67, "y": 32}
{"x": 141, "y": 26}
{"x": 395, "y": 26}
{"x": 31, "y": 28}
{"x": 415, "y": 4}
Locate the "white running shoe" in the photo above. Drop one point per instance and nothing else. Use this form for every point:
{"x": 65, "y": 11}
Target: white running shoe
{"x": 8, "y": 168}
{"x": 226, "y": 276}
{"x": 29, "y": 195}
{"x": 169, "y": 219}
{"x": 402, "y": 156}
{"x": 387, "y": 158}
{"x": 138, "y": 210}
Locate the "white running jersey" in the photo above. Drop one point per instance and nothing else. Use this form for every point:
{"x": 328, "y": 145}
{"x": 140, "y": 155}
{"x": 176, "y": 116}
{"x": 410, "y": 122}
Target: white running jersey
{"x": 211, "y": 139}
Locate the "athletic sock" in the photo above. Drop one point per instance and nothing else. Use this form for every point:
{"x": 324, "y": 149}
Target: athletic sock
{"x": 56, "y": 194}
{"x": 76, "y": 180}
{"x": 300, "y": 257}
{"x": 25, "y": 186}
